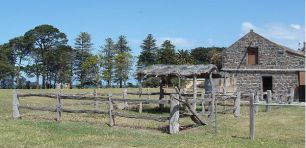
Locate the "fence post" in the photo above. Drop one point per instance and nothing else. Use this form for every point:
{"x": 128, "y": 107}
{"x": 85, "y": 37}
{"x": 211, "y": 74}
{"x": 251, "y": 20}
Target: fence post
{"x": 58, "y": 107}
{"x": 174, "y": 115}
{"x": 268, "y": 100}
{"x": 140, "y": 107}
{"x": 203, "y": 104}
{"x": 256, "y": 101}
{"x": 237, "y": 105}
{"x": 110, "y": 110}
{"x": 96, "y": 101}
{"x": 16, "y": 112}
{"x": 252, "y": 122}
{"x": 291, "y": 95}
{"x": 126, "y": 106}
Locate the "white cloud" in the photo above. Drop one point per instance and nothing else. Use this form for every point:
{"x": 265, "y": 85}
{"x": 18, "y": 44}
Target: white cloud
{"x": 247, "y": 26}
{"x": 176, "y": 41}
{"x": 287, "y": 35}
{"x": 295, "y": 26}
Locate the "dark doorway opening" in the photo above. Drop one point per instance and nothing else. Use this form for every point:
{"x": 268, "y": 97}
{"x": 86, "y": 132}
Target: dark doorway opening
{"x": 266, "y": 83}
{"x": 302, "y": 86}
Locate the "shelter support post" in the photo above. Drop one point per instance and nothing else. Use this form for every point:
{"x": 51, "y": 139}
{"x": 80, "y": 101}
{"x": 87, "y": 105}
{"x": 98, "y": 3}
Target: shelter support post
{"x": 194, "y": 104}
{"x": 161, "y": 92}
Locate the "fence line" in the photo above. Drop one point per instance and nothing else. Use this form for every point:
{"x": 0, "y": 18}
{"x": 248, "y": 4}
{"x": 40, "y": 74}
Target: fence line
{"x": 98, "y": 98}
{"x": 254, "y": 103}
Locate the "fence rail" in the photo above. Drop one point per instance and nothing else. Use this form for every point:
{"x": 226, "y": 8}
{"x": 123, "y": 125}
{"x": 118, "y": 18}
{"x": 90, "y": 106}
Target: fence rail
{"x": 254, "y": 103}
{"x": 143, "y": 98}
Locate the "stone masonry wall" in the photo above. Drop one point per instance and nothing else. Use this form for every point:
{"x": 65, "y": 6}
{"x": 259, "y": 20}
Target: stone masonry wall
{"x": 252, "y": 81}
{"x": 270, "y": 55}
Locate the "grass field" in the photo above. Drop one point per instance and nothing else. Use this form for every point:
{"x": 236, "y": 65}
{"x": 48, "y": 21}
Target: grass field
{"x": 282, "y": 127}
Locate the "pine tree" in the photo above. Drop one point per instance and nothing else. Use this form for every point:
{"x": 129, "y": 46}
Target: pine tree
{"x": 166, "y": 54}
{"x": 107, "y": 55}
{"x": 83, "y": 47}
{"x": 148, "y": 54}
{"x": 123, "y": 61}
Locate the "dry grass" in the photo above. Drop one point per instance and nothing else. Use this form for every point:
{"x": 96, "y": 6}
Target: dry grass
{"x": 283, "y": 127}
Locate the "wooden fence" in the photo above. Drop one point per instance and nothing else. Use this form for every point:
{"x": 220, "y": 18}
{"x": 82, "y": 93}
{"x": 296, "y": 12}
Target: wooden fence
{"x": 254, "y": 103}
{"x": 109, "y": 99}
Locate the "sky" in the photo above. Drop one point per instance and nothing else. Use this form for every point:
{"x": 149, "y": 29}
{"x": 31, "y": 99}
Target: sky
{"x": 188, "y": 24}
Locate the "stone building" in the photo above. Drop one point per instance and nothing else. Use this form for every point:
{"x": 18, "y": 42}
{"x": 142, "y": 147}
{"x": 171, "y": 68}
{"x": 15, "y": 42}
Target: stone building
{"x": 259, "y": 64}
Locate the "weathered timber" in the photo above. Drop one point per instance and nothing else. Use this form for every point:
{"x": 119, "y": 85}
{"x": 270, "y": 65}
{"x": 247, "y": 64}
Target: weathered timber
{"x": 126, "y": 106}
{"x": 194, "y": 91}
{"x": 37, "y": 95}
{"x": 58, "y": 107}
{"x": 189, "y": 107}
{"x": 16, "y": 112}
{"x": 97, "y": 102}
{"x": 256, "y": 101}
{"x": 161, "y": 92}
{"x": 276, "y": 104}
{"x": 140, "y": 107}
{"x": 174, "y": 115}
{"x": 50, "y": 109}
{"x": 268, "y": 100}
{"x": 148, "y": 117}
{"x": 252, "y": 122}
{"x": 211, "y": 115}
{"x": 84, "y": 111}
{"x": 291, "y": 95}
{"x": 44, "y": 108}
{"x": 110, "y": 111}
{"x": 237, "y": 105}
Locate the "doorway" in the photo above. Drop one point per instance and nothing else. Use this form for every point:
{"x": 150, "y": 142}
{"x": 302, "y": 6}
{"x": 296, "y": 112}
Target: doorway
{"x": 266, "y": 83}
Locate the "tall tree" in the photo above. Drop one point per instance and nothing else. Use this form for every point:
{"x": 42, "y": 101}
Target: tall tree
{"x": 7, "y": 64}
{"x": 166, "y": 54}
{"x": 123, "y": 61}
{"x": 45, "y": 39}
{"x": 107, "y": 56}
{"x": 22, "y": 48}
{"x": 83, "y": 47}
{"x": 148, "y": 54}
{"x": 203, "y": 55}
{"x": 92, "y": 67}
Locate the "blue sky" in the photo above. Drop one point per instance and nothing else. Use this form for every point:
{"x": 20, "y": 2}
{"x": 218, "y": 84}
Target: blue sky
{"x": 188, "y": 24}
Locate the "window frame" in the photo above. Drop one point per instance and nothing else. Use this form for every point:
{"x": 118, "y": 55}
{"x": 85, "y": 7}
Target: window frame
{"x": 252, "y": 51}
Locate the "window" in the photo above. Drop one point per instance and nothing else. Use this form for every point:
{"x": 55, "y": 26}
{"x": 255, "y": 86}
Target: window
{"x": 252, "y": 58}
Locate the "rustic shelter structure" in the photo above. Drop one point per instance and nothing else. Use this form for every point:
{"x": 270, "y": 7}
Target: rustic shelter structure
{"x": 181, "y": 71}
{"x": 259, "y": 64}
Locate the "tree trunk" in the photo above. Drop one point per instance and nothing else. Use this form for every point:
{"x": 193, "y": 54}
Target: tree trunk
{"x": 37, "y": 81}
{"x": 120, "y": 83}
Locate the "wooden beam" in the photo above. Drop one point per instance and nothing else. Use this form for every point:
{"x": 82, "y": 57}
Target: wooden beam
{"x": 16, "y": 112}
{"x": 174, "y": 115}
{"x": 268, "y": 100}
{"x": 161, "y": 92}
{"x": 237, "y": 105}
{"x": 252, "y": 119}
{"x": 194, "y": 105}
{"x": 110, "y": 111}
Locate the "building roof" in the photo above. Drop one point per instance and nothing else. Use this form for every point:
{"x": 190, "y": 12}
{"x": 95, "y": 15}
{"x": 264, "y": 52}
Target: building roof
{"x": 178, "y": 70}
